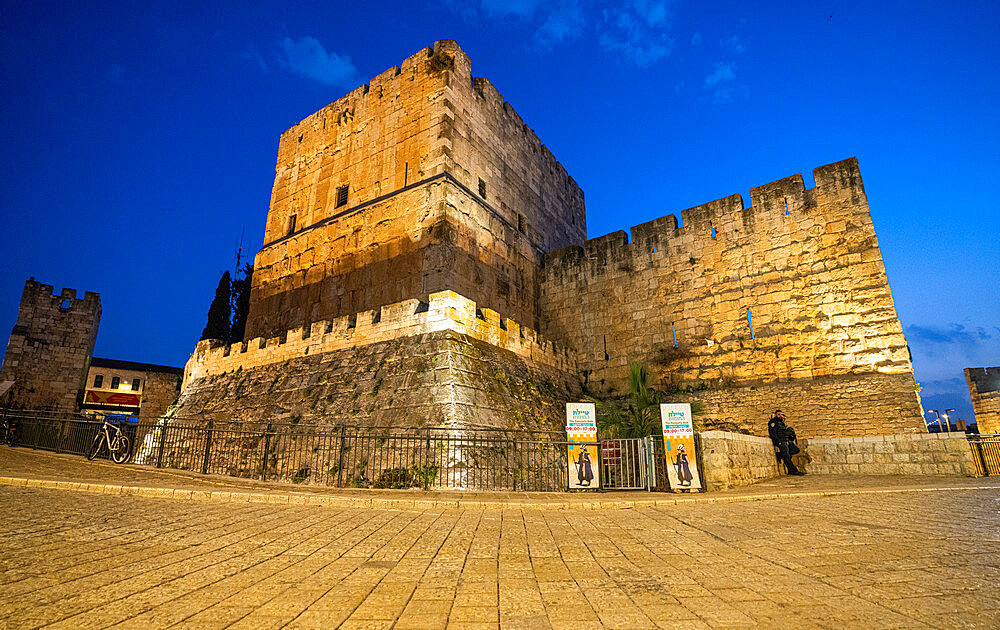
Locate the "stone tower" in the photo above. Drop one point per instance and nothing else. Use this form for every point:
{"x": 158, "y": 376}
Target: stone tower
{"x": 422, "y": 180}
{"x": 50, "y": 347}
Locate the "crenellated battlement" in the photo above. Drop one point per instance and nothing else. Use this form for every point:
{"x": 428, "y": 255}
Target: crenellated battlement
{"x": 785, "y": 203}
{"x": 45, "y": 296}
{"x": 446, "y": 310}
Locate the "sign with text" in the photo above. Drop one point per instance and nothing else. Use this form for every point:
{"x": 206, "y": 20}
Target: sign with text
{"x": 581, "y": 432}
{"x": 678, "y": 445}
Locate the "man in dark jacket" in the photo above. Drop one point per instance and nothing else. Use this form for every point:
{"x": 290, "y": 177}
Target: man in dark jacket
{"x": 783, "y": 438}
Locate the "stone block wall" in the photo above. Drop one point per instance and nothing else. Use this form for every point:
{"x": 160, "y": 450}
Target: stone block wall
{"x": 159, "y": 392}
{"x": 920, "y": 454}
{"x": 446, "y": 311}
{"x": 984, "y": 388}
{"x": 441, "y": 378}
{"x": 50, "y": 346}
{"x": 831, "y": 406}
{"x": 731, "y": 460}
{"x": 791, "y": 290}
{"x": 412, "y": 146}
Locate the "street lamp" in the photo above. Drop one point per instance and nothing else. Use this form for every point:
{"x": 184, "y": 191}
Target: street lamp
{"x": 936, "y": 413}
{"x": 947, "y": 418}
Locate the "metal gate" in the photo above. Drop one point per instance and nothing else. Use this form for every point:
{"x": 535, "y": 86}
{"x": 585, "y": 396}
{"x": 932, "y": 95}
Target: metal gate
{"x": 625, "y": 464}
{"x": 986, "y": 454}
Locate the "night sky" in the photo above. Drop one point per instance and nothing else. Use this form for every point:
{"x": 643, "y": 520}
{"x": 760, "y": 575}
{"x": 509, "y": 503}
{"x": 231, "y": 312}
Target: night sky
{"x": 139, "y": 139}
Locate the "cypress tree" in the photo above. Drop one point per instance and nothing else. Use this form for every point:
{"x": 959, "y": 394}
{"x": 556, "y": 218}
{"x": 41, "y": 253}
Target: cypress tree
{"x": 241, "y": 303}
{"x": 219, "y": 312}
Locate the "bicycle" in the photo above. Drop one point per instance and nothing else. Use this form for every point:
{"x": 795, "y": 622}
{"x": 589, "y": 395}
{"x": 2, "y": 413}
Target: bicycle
{"x": 111, "y": 438}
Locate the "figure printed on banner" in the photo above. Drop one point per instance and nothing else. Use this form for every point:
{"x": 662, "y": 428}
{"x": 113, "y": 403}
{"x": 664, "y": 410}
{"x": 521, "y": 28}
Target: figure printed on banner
{"x": 683, "y": 468}
{"x": 678, "y": 447}
{"x": 581, "y": 433}
{"x": 584, "y": 469}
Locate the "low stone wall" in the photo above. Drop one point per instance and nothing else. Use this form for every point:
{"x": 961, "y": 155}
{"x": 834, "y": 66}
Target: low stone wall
{"x": 730, "y": 460}
{"x": 901, "y": 454}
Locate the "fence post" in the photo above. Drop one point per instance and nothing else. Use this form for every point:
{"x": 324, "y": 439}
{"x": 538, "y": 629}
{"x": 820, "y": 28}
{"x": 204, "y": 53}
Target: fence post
{"x": 208, "y": 446}
{"x": 427, "y": 459}
{"x": 263, "y": 459}
{"x": 37, "y": 431}
{"x": 163, "y": 442}
{"x": 62, "y": 431}
{"x": 982, "y": 458}
{"x": 340, "y": 457}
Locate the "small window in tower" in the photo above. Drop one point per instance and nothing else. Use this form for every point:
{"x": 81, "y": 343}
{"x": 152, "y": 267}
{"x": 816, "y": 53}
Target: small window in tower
{"x": 291, "y": 224}
{"x": 136, "y": 384}
{"x": 115, "y": 381}
{"x": 787, "y": 211}
{"x": 65, "y": 304}
{"x": 342, "y": 195}
{"x": 713, "y": 229}
{"x": 482, "y": 188}
{"x": 99, "y": 380}
{"x": 520, "y": 224}
{"x": 673, "y": 329}
{"x": 750, "y": 323}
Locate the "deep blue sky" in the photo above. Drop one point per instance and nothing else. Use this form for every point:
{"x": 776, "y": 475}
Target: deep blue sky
{"x": 139, "y": 139}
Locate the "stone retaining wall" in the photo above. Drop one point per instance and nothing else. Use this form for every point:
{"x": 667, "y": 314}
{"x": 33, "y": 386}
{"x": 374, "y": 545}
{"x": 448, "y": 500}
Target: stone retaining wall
{"x": 730, "y": 460}
{"x": 921, "y": 454}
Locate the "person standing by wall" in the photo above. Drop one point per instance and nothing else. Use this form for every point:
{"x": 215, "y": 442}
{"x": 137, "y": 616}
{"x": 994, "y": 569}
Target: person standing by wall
{"x": 783, "y": 438}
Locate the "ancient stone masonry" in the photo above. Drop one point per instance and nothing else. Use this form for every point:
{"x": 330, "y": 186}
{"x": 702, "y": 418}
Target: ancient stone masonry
{"x": 49, "y": 347}
{"x": 984, "y": 387}
{"x": 421, "y": 181}
{"x": 782, "y": 304}
{"x": 418, "y": 219}
{"x": 442, "y": 363}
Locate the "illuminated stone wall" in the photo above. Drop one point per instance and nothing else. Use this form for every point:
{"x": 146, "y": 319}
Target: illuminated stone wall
{"x": 984, "y": 388}
{"x": 783, "y": 304}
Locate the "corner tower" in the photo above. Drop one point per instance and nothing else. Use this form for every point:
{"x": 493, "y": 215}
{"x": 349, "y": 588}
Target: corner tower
{"x": 50, "y": 347}
{"x": 422, "y": 180}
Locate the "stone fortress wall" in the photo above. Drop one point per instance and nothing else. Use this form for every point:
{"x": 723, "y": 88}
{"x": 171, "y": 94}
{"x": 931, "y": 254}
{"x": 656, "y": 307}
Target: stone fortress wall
{"x": 447, "y": 190}
{"x": 442, "y": 364}
{"x": 984, "y": 388}
{"x": 446, "y": 311}
{"x": 822, "y": 340}
{"x": 50, "y": 346}
{"x": 784, "y": 303}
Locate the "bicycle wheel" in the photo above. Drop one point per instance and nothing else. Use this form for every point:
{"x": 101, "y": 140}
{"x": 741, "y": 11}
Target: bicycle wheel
{"x": 95, "y": 448}
{"x": 120, "y": 453}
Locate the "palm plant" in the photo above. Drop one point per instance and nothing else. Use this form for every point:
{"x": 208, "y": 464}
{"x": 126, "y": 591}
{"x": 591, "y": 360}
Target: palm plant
{"x": 635, "y": 416}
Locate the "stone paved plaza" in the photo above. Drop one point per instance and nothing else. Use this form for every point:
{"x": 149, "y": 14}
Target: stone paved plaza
{"x": 907, "y": 558}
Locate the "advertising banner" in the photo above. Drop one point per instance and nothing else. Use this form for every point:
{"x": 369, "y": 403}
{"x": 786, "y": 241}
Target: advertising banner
{"x": 678, "y": 444}
{"x": 581, "y": 432}
{"x": 111, "y": 398}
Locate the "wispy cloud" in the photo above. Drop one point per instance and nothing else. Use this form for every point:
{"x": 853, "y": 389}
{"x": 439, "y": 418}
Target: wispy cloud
{"x": 733, "y": 44}
{"x": 639, "y": 31}
{"x": 953, "y": 334}
{"x": 519, "y": 8}
{"x": 251, "y": 54}
{"x": 723, "y": 72}
{"x": 722, "y": 84}
{"x": 307, "y": 57}
{"x": 565, "y": 23}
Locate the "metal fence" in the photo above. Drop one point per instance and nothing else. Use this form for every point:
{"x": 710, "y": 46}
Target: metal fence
{"x": 986, "y": 454}
{"x": 357, "y": 457}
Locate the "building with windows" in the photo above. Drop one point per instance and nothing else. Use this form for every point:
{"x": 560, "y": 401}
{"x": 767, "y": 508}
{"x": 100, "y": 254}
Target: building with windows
{"x": 142, "y": 389}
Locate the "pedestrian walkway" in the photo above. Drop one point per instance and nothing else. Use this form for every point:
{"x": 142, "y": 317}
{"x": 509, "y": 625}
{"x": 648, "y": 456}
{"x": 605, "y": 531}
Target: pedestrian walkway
{"x": 889, "y": 553}
{"x": 23, "y": 467}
